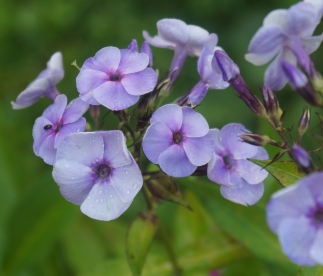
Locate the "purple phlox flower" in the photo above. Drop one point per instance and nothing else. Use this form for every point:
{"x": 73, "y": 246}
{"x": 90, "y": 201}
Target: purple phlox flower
{"x": 286, "y": 35}
{"x": 184, "y": 39}
{"x": 115, "y": 78}
{"x": 178, "y": 140}
{"x": 58, "y": 121}
{"x": 95, "y": 170}
{"x": 44, "y": 85}
{"x": 240, "y": 179}
{"x": 295, "y": 214}
{"x": 145, "y": 48}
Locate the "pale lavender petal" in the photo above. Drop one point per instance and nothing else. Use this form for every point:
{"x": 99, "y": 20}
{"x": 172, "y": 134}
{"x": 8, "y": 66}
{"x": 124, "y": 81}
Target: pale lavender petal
{"x": 313, "y": 183}
{"x": 259, "y": 59}
{"x": 47, "y": 151}
{"x": 250, "y": 172}
{"x": 55, "y": 65}
{"x": 218, "y": 147}
{"x": 133, "y": 46}
{"x": 157, "y": 139}
{"x": 277, "y": 17}
{"x": 140, "y": 83}
{"x": 88, "y": 98}
{"x": 170, "y": 114}
{"x": 173, "y": 30}
{"x": 199, "y": 150}
{"x": 274, "y": 76}
{"x": 174, "y": 162}
{"x": 158, "y": 41}
{"x": 261, "y": 154}
{"x": 84, "y": 147}
{"x": 202, "y": 62}
{"x": 194, "y": 124}
{"x": 55, "y": 112}
{"x": 89, "y": 79}
{"x": 145, "y": 48}
{"x": 231, "y": 141}
{"x": 217, "y": 171}
{"x": 78, "y": 126}
{"x": 296, "y": 237}
{"x": 113, "y": 96}
{"x": 211, "y": 42}
{"x": 132, "y": 62}
{"x": 115, "y": 148}
{"x": 198, "y": 36}
{"x": 311, "y": 44}
{"x": 316, "y": 249}
{"x": 75, "y": 110}
{"x": 75, "y": 180}
{"x": 103, "y": 203}
{"x": 282, "y": 205}
{"x": 242, "y": 192}
{"x": 39, "y": 133}
{"x": 197, "y": 93}
{"x": 106, "y": 60}
{"x": 127, "y": 181}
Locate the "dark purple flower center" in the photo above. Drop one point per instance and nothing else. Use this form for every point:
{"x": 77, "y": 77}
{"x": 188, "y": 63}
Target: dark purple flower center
{"x": 318, "y": 216}
{"x": 58, "y": 127}
{"x": 102, "y": 171}
{"x": 115, "y": 77}
{"x": 177, "y": 137}
{"x": 228, "y": 161}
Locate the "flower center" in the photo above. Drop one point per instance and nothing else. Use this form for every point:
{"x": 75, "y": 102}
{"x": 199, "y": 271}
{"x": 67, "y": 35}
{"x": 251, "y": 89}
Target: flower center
{"x": 318, "y": 216}
{"x": 115, "y": 77}
{"x": 177, "y": 138}
{"x": 58, "y": 128}
{"x": 102, "y": 171}
{"x": 228, "y": 161}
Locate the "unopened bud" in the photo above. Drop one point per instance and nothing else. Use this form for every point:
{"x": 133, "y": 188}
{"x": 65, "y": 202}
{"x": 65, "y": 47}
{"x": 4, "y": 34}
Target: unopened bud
{"x": 223, "y": 64}
{"x": 145, "y": 48}
{"x": 302, "y": 159}
{"x": 258, "y": 139}
{"x": 304, "y": 121}
{"x": 133, "y": 46}
{"x": 272, "y": 105}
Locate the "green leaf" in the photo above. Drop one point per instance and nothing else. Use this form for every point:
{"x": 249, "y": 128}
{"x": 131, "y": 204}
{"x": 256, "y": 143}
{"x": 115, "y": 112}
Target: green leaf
{"x": 311, "y": 271}
{"x": 285, "y": 172}
{"x": 139, "y": 238}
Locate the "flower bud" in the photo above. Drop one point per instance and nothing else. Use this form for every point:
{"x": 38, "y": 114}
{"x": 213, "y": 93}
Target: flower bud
{"x": 272, "y": 105}
{"x": 302, "y": 159}
{"x": 304, "y": 121}
{"x": 258, "y": 139}
{"x": 133, "y": 45}
{"x": 223, "y": 64}
{"x": 145, "y": 48}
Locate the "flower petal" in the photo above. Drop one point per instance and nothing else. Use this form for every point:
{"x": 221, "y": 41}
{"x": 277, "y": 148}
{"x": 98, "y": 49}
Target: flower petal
{"x": 194, "y": 124}
{"x": 78, "y": 126}
{"x": 313, "y": 183}
{"x": 170, "y": 114}
{"x": 140, "y": 83}
{"x": 217, "y": 171}
{"x": 54, "y": 112}
{"x": 75, "y": 110}
{"x": 218, "y": 148}
{"x": 106, "y": 60}
{"x": 250, "y": 172}
{"x": 47, "y": 151}
{"x": 174, "y": 162}
{"x": 132, "y": 62}
{"x": 39, "y": 133}
{"x": 173, "y": 30}
{"x": 198, "y": 36}
{"x": 316, "y": 249}
{"x": 157, "y": 139}
{"x": 89, "y": 79}
{"x": 274, "y": 76}
{"x": 74, "y": 180}
{"x": 277, "y": 18}
{"x": 311, "y": 44}
{"x": 158, "y": 41}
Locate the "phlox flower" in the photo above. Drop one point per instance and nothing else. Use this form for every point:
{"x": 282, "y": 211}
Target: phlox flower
{"x": 44, "y": 85}
{"x": 295, "y": 214}
{"x": 95, "y": 170}
{"x": 286, "y": 35}
{"x": 178, "y": 140}
{"x": 240, "y": 179}
{"x": 57, "y": 121}
{"x": 115, "y": 78}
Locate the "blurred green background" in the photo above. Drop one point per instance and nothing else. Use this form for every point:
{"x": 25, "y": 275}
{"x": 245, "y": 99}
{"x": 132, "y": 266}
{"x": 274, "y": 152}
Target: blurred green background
{"x": 43, "y": 234}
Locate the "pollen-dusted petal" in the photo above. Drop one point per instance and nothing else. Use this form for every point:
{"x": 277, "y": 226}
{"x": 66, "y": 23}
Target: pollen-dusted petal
{"x": 103, "y": 203}
{"x": 74, "y": 180}
{"x": 199, "y": 150}
{"x": 158, "y": 41}
{"x": 170, "y": 114}
{"x": 243, "y": 193}
{"x": 140, "y": 83}
{"x": 89, "y": 79}
{"x": 115, "y": 148}
{"x": 83, "y": 147}
{"x": 290, "y": 202}
{"x": 127, "y": 181}
{"x": 113, "y": 96}
{"x": 55, "y": 112}
{"x": 67, "y": 129}
{"x": 132, "y": 62}
{"x": 174, "y": 162}
{"x": 194, "y": 124}
{"x": 106, "y": 60}
{"x": 39, "y": 133}
{"x": 250, "y": 172}
{"x": 316, "y": 249}
{"x": 218, "y": 147}
{"x": 75, "y": 110}
{"x": 231, "y": 141}
{"x": 274, "y": 76}
{"x": 296, "y": 237}
{"x": 47, "y": 151}
{"x": 217, "y": 171}
{"x": 173, "y": 30}
{"x": 157, "y": 139}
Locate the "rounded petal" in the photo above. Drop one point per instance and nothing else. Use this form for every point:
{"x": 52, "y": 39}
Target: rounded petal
{"x": 173, "y": 30}
{"x": 277, "y": 18}
{"x": 140, "y": 83}
{"x": 47, "y": 151}
{"x": 113, "y": 96}
{"x": 197, "y": 93}
{"x": 84, "y": 147}
{"x": 261, "y": 154}
{"x": 231, "y": 141}
{"x": 243, "y": 193}
{"x": 250, "y": 172}
{"x": 296, "y": 236}
{"x": 75, "y": 110}
{"x": 157, "y": 139}
{"x": 313, "y": 183}
{"x": 274, "y": 76}
{"x": 54, "y": 112}
{"x": 127, "y": 181}
{"x": 158, "y": 41}
{"x": 198, "y": 37}
{"x": 199, "y": 150}
{"x": 194, "y": 124}
{"x": 105, "y": 60}
{"x": 218, "y": 148}
{"x": 88, "y": 98}
{"x": 316, "y": 249}
{"x": 170, "y": 114}
{"x": 174, "y": 162}
{"x": 55, "y": 65}
{"x": 39, "y": 133}
{"x": 311, "y": 44}
{"x": 78, "y": 126}
{"x": 89, "y": 79}
{"x": 74, "y": 180}
{"x": 103, "y": 203}
{"x": 217, "y": 171}
{"x": 132, "y": 62}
